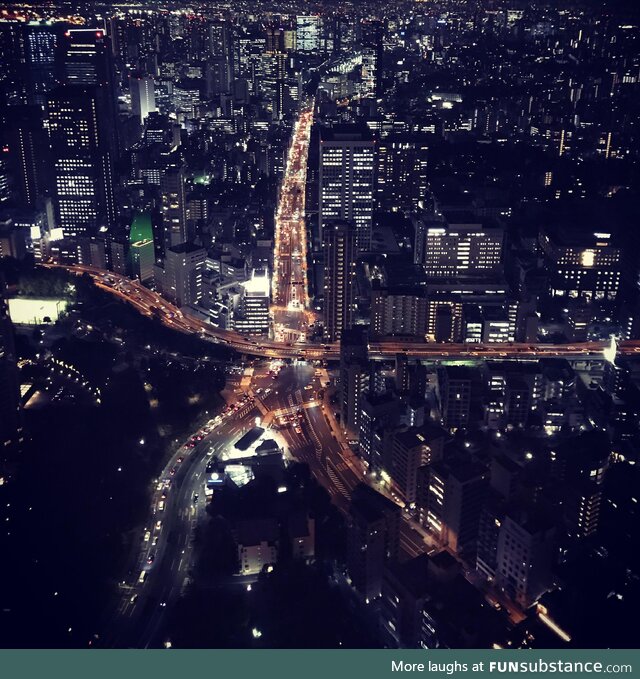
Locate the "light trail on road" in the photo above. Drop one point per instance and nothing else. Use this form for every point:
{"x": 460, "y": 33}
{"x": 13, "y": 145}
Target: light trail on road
{"x": 289, "y": 290}
{"x": 152, "y": 304}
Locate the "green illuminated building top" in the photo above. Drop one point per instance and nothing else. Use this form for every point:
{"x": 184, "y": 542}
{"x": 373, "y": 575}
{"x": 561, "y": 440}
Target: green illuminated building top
{"x": 141, "y": 229}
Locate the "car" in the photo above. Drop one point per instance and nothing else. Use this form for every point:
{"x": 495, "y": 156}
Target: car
{"x": 195, "y": 498}
{"x": 133, "y": 599}
{"x": 173, "y": 471}
{"x": 147, "y": 536}
{"x": 158, "y": 525}
{"x": 180, "y": 459}
{"x": 151, "y": 558}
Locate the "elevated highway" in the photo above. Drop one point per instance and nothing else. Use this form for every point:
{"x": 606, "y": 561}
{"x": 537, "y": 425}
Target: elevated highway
{"x": 152, "y": 304}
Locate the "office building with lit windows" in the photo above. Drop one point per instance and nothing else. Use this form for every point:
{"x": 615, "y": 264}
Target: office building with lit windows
{"x": 525, "y": 553}
{"x": 347, "y": 160}
{"x": 411, "y": 449}
{"x": 175, "y": 225}
{"x": 41, "y": 45}
{"x": 308, "y": 33}
{"x": 401, "y": 172}
{"x": 339, "y": 277}
{"x": 355, "y": 373}
{"x": 460, "y": 250}
{"x": 586, "y": 268}
{"x": 253, "y": 313}
{"x": 183, "y": 270}
{"x": 87, "y": 60}
{"x": 87, "y": 57}
{"x": 451, "y": 495}
{"x": 82, "y": 157}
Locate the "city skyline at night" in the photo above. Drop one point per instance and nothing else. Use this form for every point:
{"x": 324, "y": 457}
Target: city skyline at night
{"x": 320, "y": 325}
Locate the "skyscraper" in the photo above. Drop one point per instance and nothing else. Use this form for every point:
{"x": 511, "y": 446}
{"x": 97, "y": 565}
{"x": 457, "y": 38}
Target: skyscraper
{"x": 87, "y": 60}
{"x": 373, "y": 533}
{"x": 372, "y": 38}
{"x": 401, "y": 172}
{"x": 82, "y": 155}
{"x": 354, "y": 379}
{"x": 13, "y": 86}
{"x": 339, "y": 274}
{"x": 41, "y": 43}
{"x": 143, "y": 100}
{"x": 174, "y": 207}
{"x": 28, "y": 153}
{"x": 308, "y": 33}
{"x": 183, "y": 269}
{"x": 347, "y": 155}
{"x": 221, "y": 48}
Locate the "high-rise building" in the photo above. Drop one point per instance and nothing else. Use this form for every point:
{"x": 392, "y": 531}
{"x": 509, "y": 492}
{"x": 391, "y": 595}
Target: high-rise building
{"x": 308, "y": 33}
{"x": 455, "y": 394}
{"x": 253, "y": 316}
{"x": 451, "y": 496}
{"x": 406, "y": 588}
{"x": 141, "y": 248}
{"x": 222, "y": 49}
{"x": 373, "y": 534}
{"x": 580, "y": 465}
{"x": 347, "y": 157}
{"x": 279, "y": 39}
{"x": 143, "y": 100}
{"x": 174, "y": 207}
{"x": 41, "y": 49}
{"x": 87, "y": 58}
{"x": 411, "y": 449}
{"x": 13, "y": 86}
{"x": 584, "y": 268}
{"x": 525, "y": 553}
{"x": 372, "y": 39}
{"x": 377, "y": 412}
{"x": 398, "y": 312}
{"x": 339, "y": 277}
{"x": 464, "y": 250}
{"x": 401, "y": 173}
{"x": 183, "y": 269}
{"x": 82, "y": 157}
{"x": 354, "y": 378}
{"x": 28, "y": 148}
